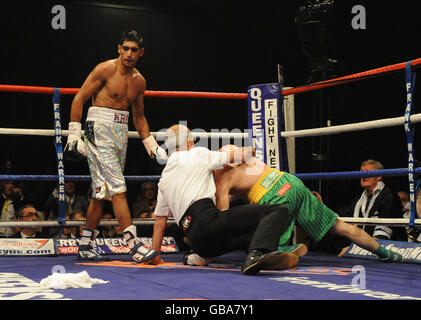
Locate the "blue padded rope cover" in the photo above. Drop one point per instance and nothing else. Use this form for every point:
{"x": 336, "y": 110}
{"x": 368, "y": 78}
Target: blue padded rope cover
{"x": 60, "y": 162}
{"x": 409, "y": 130}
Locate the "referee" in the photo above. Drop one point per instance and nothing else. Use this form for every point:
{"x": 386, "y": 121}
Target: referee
{"x": 186, "y": 191}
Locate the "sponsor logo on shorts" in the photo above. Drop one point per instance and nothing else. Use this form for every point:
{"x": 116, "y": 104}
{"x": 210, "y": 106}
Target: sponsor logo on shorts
{"x": 270, "y": 179}
{"x": 284, "y": 189}
{"x": 121, "y": 118}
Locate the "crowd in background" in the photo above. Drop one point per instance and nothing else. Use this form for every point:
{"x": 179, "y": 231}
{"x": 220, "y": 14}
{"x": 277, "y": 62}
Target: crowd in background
{"x": 38, "y": 201}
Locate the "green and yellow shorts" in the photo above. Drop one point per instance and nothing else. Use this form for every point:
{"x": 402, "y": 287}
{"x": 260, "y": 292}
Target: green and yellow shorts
{"x": 277, "y": 187}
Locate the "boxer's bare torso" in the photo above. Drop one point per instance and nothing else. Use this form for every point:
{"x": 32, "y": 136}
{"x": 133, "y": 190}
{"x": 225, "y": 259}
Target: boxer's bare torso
{"x": 114, "y": 84}
{"x": 235, "y": 181}
{"x": 119, "y": 87}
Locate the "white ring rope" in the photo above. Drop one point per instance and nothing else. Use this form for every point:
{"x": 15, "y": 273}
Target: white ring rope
{"x": 375, "y": 124}
{"x": 148, "y": 221}
{"x": 75, "y": 223}
{"x": 377, "y": 221}
{"x": 132, "y": 134}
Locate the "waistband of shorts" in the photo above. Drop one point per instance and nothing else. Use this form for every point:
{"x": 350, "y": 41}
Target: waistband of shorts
{"x": 107, "y": 115}
{"x": 263, "y": 185}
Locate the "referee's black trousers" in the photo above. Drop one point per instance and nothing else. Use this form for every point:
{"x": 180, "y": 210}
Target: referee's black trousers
{"x": 246, "y": 227}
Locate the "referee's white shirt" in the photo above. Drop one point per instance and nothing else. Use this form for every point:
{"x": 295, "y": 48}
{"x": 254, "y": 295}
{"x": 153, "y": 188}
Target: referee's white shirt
{"x": 186, "y": 178}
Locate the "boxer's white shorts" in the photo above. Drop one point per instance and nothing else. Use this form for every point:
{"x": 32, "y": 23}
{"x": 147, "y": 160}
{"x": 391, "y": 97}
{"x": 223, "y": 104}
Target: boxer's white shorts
{"x": 106, "y": 136}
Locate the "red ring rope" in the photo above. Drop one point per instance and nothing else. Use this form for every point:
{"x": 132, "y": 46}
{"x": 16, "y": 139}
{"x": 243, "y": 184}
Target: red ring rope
{"x": 222, "y": 95}
{"x": 351, "y": 78}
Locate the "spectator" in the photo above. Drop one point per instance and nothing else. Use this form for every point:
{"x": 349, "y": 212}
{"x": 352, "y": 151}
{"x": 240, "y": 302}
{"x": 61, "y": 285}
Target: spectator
{"x": 110, "y": 231}
{"x": 72, "y": 232}
{"x": 376, "y": 201}
{"x": 68, "y": 232}
{"x": 73, "y": 202}
{"x": 146, "y": 201}
{"x": 406, "y": 205}
{"x": 27, "y": 212}
{"x": 144, "y": 208}
{"x": 38, "y": 192}
{"x": 413, "y": 233}
{"x": 8, "y": 167}
{"x": 78, "y": 215}
{"x": 10, "y": 199}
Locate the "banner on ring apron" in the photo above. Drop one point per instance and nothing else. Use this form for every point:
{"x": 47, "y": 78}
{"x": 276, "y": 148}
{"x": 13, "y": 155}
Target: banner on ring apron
{"x": 110, "y": 246}
{"x": 27, "y": 247}
{"x": 410, "y": 251}
{"x": 265, "y": 114}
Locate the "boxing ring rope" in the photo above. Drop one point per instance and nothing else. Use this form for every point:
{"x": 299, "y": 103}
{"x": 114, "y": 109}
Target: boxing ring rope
{"x": 148, "y": 93}
{"x": 220, "y": 95}
{"x": 374, "y": 124}
{"x": 131, "y": 134}
{"x": 416, "y": 63}
{"x": 397, "y": 222}
{"x": 414, "y": 118}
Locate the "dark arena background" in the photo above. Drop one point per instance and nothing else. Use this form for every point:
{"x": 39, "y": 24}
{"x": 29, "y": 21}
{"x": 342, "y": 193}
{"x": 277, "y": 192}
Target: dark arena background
{"x": 218, "y": 46}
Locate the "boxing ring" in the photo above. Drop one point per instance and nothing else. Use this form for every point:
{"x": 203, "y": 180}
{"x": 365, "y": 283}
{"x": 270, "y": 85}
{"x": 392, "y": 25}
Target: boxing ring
{"x": 318, "y": 276}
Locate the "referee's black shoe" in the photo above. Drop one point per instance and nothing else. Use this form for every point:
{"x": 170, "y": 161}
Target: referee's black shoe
{"x": 257, "y": 260}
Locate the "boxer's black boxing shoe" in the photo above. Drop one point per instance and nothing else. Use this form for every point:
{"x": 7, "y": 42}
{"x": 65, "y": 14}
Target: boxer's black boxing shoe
{"x": 141, "y": 254}
{"x": 87, "y": 252}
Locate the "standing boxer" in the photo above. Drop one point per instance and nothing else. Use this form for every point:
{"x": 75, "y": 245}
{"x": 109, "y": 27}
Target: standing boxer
{"x": 113, "y": 85}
